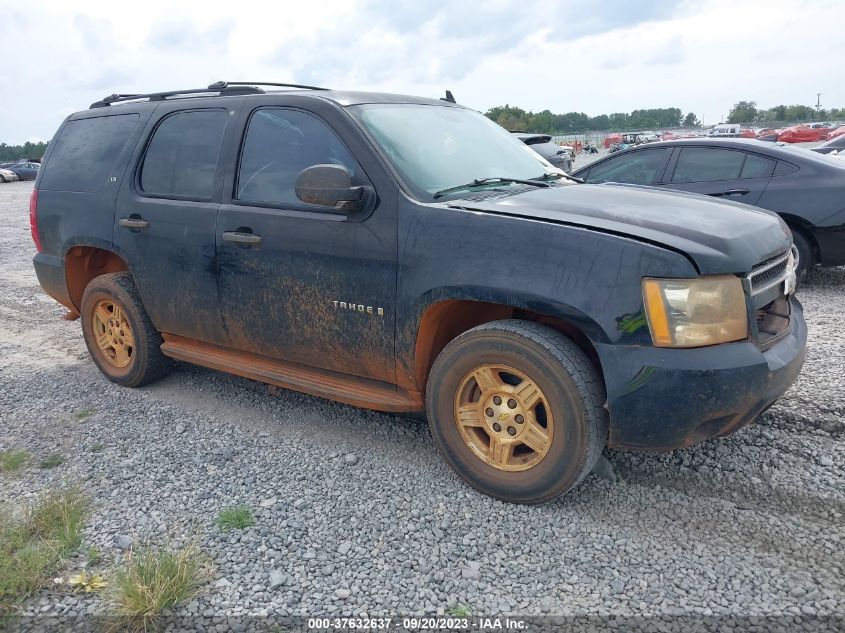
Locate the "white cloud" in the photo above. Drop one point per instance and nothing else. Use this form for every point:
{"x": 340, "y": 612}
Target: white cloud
{"x": 583, "y": 55}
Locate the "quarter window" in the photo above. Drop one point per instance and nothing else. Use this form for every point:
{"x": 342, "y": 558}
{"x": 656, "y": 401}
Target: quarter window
{"x": 757, "y": 167}
{"x": 181, "y": 160}
{"x": 279, "y": 144}
{"x": 86, "y": 152}
{"x": 704, "y": 164}
{"x": 640, "y": 167}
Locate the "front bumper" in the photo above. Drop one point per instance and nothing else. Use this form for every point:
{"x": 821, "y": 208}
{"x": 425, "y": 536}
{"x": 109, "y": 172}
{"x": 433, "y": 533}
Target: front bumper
{"x": 661, "y": 399}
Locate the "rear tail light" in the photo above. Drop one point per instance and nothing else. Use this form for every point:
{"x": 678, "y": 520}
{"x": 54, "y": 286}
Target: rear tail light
{"x": 33, "y": 218}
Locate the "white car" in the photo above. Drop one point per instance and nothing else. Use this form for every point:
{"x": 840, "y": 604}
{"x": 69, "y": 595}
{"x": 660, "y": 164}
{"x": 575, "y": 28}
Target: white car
{"x": 8, "y": 176}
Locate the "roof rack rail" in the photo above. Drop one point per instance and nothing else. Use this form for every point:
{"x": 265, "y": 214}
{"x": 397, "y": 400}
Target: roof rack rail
{"x": 161, "y": 96}
{"x": 222, "y": 88}
{"x": 225, "y": 84}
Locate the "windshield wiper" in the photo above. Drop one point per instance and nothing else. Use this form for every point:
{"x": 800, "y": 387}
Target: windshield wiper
{"x": 557, "y": 175}
{"x": 485, "y": 181}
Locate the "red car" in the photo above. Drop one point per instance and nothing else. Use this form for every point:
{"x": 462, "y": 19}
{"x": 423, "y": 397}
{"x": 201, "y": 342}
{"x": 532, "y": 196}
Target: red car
{"x": 803, "y": 134}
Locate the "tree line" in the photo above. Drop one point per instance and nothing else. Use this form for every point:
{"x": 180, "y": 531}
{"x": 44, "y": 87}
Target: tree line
{"x": 17, "y": 152}
{"x": 748, "y": 112}
{"x": 516, "y": 119}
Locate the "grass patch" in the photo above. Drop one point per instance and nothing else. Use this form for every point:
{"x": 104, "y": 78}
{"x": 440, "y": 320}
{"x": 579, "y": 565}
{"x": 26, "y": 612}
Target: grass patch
{"x": 12, "y": 459}
{"x": 84, "y": 413}
{"x": 153, "y": 580}
{"x": 34, "y": 545}
{"x": 236, "y": 517}
{"x": 93, "y": 555}
{"x": 459, "y": 611}
{"x": 52, "y": 461}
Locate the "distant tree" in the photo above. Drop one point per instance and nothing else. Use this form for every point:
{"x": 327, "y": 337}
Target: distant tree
{"x": 547, "y": 122}
{"x": 17, "y": 152}
{"x": 799, "y": 113}
{"x": 617, "y": 121}
{"x": 690, "y": 120}
{"x": 743, "y": 112}
{"x": 601, "y": 122}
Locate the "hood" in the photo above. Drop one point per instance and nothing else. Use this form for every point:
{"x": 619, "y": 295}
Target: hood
{"x": 718, "y": 236}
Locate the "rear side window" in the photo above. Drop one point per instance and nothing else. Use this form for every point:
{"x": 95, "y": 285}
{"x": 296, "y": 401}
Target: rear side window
{"x": 757, "y": 167}
{"x": 279, "y": 144}
{"x": 704, "y": 164}
{"x": 641, "y": 167}
{"x": 85, "y": 153}
{"x": 783, "y": 168}
{"x": 181, "y": 159}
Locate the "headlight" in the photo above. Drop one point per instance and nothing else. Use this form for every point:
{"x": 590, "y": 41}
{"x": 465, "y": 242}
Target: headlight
{"x": 695, "y": 312}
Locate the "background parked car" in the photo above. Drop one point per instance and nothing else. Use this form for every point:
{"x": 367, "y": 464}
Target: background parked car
{"x": 6, "y": 175}
{"x": 725, "y": 130}
{"x": 803, "y": 134}
{"x": 805, "y": 188}
{"x": 26, "y": 170}
{"x": 834, "y": 145}
{"x": 559, "y": 156}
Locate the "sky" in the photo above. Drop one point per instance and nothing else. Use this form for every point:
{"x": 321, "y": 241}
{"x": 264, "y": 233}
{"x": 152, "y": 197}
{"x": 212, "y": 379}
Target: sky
{"x": 593, "y": 56}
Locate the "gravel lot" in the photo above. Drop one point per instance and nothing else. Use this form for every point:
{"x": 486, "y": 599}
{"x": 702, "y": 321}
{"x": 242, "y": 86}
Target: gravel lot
{"x": 357, "y": 514}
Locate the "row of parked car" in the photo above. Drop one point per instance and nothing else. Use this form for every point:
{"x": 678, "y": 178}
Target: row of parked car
{"x": 19, "y": 170}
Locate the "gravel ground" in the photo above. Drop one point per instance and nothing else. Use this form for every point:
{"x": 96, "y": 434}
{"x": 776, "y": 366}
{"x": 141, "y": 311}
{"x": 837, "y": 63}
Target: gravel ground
{"x": 357, "y": 514}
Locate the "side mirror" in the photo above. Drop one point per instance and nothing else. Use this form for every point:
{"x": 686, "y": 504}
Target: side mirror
{"x": 329, "y": 186}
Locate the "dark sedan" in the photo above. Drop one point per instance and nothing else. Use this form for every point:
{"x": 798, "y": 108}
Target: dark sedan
{"x": 834, "y": 145}
{"x": 556, "y": 154}
{"x": 805, "y": 188}
{"x": 26, "y": 170}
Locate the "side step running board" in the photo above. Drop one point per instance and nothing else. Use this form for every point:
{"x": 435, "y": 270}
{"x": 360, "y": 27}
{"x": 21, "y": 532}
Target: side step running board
{"x": 354, "y": 390}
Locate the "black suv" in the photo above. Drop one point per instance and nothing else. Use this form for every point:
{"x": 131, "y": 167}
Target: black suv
{"x": 408, "y": 254}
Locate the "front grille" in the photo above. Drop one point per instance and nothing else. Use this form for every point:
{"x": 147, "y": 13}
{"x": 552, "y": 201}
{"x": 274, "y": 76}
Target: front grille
{"x": 769, "y": 274}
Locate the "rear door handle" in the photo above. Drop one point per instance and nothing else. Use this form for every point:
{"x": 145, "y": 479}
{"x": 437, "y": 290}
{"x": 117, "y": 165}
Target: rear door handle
{"x": 733, "y": 192}
{"x": 241, "y": 238}
{"x": 133, "y": 223}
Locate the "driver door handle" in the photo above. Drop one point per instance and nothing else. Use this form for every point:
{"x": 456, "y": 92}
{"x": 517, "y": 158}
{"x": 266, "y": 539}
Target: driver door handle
{"x": 133, "y": 223}
{"x": 241, "y": 238}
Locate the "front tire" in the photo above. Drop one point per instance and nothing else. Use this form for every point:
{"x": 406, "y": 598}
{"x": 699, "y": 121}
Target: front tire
{"x": 517, "y": 410}
{"x": 806, "y": 252}
{"x": 120, "y": 337}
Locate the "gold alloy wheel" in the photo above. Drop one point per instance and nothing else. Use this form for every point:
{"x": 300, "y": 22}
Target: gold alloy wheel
{"x": 503, "y": 417}
{"x": 113, "y": 333}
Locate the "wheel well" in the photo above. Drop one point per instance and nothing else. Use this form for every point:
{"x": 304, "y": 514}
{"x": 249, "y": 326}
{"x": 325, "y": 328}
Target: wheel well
{"x": 83, "y": 263}
{"x": 797, "y": 226}
{"x": 445, "y": 320}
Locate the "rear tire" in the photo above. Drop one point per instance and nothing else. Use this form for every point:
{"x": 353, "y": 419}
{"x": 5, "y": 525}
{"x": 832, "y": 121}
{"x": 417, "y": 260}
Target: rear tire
{"x": 120, "y": 337}
{"x": 506, "y": 367}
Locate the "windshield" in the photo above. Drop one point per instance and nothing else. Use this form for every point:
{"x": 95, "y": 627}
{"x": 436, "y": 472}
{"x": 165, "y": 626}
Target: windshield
{"x": 437, "y": 147}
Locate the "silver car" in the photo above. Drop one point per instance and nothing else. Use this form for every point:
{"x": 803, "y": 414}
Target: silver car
{"x": 557, "y": 155}
{"x": 7, "y": 175}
